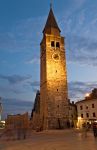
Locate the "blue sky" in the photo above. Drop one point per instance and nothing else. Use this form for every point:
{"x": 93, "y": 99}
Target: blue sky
{"x": 21, "y": 25}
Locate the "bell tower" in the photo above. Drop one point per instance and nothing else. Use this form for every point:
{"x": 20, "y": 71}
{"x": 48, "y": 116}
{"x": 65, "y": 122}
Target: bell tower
{"x": 54, "y": 103}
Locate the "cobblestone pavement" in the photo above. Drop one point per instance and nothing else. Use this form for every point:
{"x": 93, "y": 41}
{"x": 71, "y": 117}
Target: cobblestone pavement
{"x": 53, "y": 140}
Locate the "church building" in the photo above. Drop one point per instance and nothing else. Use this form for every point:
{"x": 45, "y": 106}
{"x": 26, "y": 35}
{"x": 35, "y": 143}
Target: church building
{"x": 53, "y": 102}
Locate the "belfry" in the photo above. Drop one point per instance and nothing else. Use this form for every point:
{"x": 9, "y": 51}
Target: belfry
{"x": 52, "y": 103}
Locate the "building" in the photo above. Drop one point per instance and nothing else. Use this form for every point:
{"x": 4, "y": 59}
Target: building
{"x": 16, "y": 126}
{"x": 54, "y": 102}
{"x": 17, "y": 121}
{"x": 72, "y": 114}
{"x": 87, "y": 109}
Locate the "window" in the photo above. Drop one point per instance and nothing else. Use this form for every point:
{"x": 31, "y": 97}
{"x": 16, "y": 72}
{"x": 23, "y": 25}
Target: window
{"x": 87, "y": 115}
{"x": 57, "y": 90}
{"x": 92, "y": 105}
{"x": 94, "y": 115}
{"x": 86, "y": 107}
{"x": 57, "y": 44}
{"x": 81, "y": 115}
{"x": 81, "y": 107}
{"x": 52, "y": 44}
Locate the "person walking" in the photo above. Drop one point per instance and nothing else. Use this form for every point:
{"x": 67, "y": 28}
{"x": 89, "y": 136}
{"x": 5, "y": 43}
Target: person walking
{"x": 84, "y": 129}
{"x": 95, "y": 129}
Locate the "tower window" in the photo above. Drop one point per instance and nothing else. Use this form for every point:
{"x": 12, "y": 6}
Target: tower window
{"x": 52, "y": 44}
{"x": 56, "y": 71}
{"x": 57, "y": 90}
{"x": 57, "y": 44}
{"x": 81, "y": 115}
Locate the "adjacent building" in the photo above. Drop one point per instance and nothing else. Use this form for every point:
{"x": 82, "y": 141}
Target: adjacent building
{"x": 19, "y": 121}
{"x": 87, "y": 109}
{"x": 72, "y": 114}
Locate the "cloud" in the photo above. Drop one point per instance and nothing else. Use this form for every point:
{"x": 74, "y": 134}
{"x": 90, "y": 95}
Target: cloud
{"x": 77, "y": 90}
{"x": 15, "y": 106}
{"x": 33, "y": 61}
{"x": 23, "y": 35}
{"x": 82, "y": 50}
{"x": 34, "y": 83}
{"x": 15, "y": 79}
{"x": 79, "y": 25}
{"x": 5, "y": 89}
{"x": 20, "y": 87}
{"x": 79, "y": 3}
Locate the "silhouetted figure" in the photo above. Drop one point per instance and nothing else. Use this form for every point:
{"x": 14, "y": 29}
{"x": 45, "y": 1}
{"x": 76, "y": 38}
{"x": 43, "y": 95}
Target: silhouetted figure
{"x": 95, "y": 129}
{"x": 68, "y": 124}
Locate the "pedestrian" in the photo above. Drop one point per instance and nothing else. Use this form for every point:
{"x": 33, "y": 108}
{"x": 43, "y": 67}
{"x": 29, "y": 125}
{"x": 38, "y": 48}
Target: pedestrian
{"x": 84, "y": 126}
{"x": 95, "y": 129}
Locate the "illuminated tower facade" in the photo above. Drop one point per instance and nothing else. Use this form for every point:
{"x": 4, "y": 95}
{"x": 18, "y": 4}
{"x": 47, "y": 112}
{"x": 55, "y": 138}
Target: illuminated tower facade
{"x": 54, "y": 104}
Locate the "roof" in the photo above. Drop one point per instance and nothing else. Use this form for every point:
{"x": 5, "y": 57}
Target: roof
{"x": 51, "y": 22}
{"x": 85, "y": 100}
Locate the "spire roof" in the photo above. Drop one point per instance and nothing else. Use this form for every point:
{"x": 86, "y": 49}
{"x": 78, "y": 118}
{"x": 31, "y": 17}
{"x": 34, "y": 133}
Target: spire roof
{"x": 51, "y": 21}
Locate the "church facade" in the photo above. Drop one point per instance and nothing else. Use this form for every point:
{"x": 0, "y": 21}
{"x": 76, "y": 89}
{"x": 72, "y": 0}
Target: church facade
{"x": 53, "y": 104}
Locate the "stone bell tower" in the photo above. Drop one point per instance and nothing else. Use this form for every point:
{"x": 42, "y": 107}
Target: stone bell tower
{"x": 54, "y": 103}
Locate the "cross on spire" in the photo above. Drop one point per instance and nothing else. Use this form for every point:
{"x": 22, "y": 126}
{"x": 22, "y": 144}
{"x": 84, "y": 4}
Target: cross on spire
{"x": 51, "y": 3}
{"x": 51, "y": 22}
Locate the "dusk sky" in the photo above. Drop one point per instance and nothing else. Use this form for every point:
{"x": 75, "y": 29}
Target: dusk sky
{"x": 21, "y": 25}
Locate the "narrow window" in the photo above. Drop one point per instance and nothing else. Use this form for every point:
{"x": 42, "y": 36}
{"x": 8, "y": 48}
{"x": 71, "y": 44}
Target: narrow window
{"x": 94, "y": 115}
{"x": 56, "y": 71}
{"x": 81, "y": 115}
{"x": 92, "y": 105}
{"x": 86, "y": 107}
{"x": 81, "y": 107}
{"x": 52, "y": 44}
{"x": 87, "y": 115}
{"x": 57, "y": 90}
{"x": 57, "y": 44}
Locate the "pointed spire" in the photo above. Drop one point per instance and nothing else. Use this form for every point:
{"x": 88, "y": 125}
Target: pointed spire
{"x": 51, "y": 22}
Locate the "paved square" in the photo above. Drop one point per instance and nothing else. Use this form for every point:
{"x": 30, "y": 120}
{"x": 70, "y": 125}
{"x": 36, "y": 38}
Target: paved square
{"x": 53, "y": 140}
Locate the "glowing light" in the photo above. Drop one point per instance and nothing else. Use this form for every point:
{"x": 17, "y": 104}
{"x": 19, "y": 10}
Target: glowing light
{"x": 87, "y": 94}
{"x": 3, "y": 121}
{"x": 79, "y": 118}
